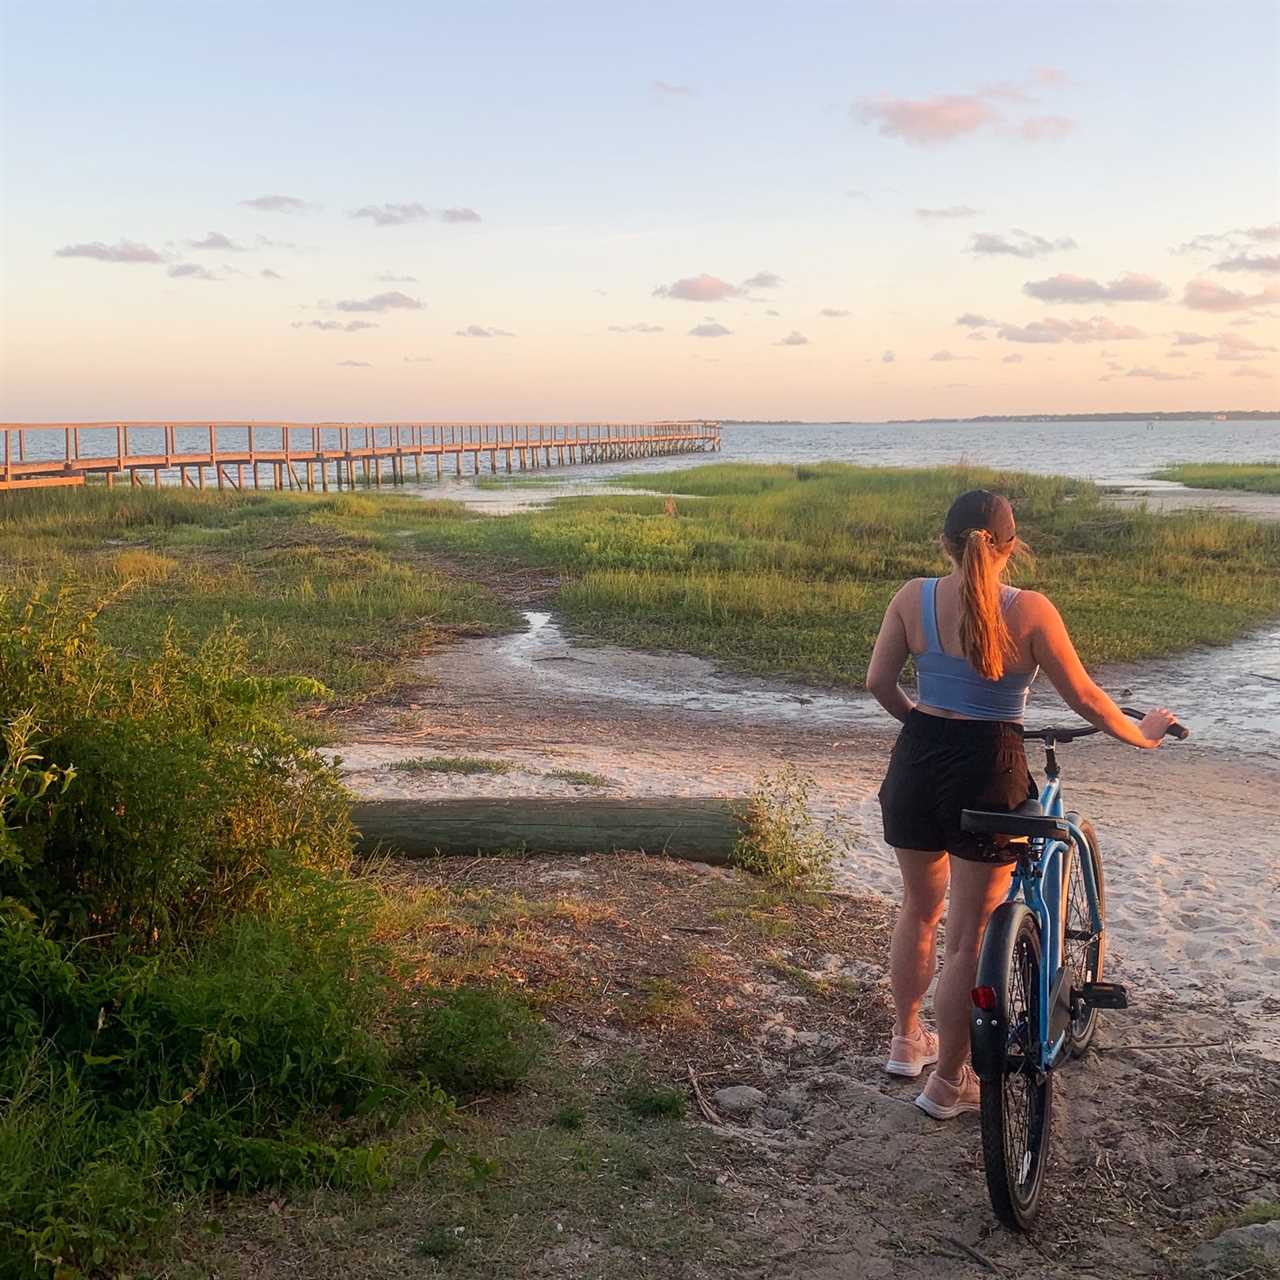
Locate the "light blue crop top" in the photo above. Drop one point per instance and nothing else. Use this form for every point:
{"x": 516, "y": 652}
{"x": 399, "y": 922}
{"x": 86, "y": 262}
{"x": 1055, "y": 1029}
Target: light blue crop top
{"x": 951, "y": 684}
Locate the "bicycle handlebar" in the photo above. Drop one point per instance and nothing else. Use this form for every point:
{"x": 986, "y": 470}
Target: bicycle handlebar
{"x": 1053, "y": 734}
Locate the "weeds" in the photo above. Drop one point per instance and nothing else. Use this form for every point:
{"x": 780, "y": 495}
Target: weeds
{"x": 451, "y": 764}
{"x": 654, "y": 1102}
{"x": 781, "y": 840}
{"x": 579, "y": 777}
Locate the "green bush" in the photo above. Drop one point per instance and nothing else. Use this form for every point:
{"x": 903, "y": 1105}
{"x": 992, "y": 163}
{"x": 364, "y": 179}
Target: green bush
{"x": 781, "y": 840}
{"x": 189, "y": 997}
{"x": 470, "y": 1040}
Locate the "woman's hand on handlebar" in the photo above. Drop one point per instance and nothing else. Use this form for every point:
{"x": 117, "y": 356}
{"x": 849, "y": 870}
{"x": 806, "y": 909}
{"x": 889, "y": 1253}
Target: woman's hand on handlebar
{"x": 1155, "y": 724}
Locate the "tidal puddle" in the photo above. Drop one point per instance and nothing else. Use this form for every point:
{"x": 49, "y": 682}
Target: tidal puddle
{"x": 1230, "y": 697}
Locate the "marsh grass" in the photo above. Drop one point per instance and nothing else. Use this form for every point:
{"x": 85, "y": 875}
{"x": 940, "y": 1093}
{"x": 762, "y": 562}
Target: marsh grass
{"x": 1257, "y": 477}
{"x": 787, "y": 570}
{"x": 578, "y": 777}
{"x": 330, "y": 586}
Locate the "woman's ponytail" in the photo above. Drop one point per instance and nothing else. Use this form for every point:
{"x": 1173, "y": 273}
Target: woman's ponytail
{"x": 984, "y": 636}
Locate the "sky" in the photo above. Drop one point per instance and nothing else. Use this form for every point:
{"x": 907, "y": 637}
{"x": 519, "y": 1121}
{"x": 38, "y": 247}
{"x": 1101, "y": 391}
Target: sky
{"x": 541, "y": 211}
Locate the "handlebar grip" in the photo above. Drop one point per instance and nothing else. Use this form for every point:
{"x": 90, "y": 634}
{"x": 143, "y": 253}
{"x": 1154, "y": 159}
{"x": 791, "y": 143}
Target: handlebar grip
{"x": 1175, "y": 730}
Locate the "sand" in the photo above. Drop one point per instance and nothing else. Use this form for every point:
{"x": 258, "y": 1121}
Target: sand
{"x": 1188, "y": 833}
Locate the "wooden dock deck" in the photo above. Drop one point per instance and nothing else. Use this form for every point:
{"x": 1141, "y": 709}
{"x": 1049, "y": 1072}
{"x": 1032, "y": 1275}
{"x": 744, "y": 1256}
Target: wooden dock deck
{"x": 321, "y": 455}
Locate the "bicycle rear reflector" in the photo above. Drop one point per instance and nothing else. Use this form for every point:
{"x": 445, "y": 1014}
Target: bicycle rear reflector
{"x": 985, "y": 998}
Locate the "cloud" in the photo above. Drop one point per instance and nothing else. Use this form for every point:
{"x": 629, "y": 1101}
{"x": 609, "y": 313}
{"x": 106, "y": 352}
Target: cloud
{"x": 334, "y": 326}
{"x": 1050, "y": 75}
{"x": 1159, "y": 375}
{"x": 945, "y": 118}
{"x": 833, "y": 313}
{"x": 794, "y": 339}
{"x": 951, "y": 211}
{"x": 1045, "y": 128}
{"x": 1175, "y": 355}
{"x": 762, "y": 280}
{"x": 354, "y": 364}
{"x": 386, "y": 277}
{"x": 1205, "y": 295}
{"x": 1182, "y": 338}
{"x": 1269, "y": 232}
{"x": 1015, "y": 358}
{"x": 458, "y": 214}
{"x": 769, "y": 311}
{"x": 267, "y": 274}
{"x": 857, "y": 193}
{"x": 1018, "y": 244}
{"x": 975, "y": 336}
{"x": 639, "y": 327}
{"x": 190, "y": 271}
{"x": 479, "y": 331}
{"x": 1129, "y": 287}
{"x": 1235, "y": 346}
{"x": 671, "y": 90}
{"x": 393, "y": 215}
{"x": 217, "y": 241}
{"x": 888, "y": 358}
{"x": 417, "y": 359}
{"x": 393, "y": 300}
{"x": 1248, "y": 371}
{"x": 1266, "y": 264}
{"x": 277, "y": 204}
{"x": 940, "y": 357}
{"x": 711, "y": 329}
{"x": 701, "y": 288}
{"x": 1095, "y": 329}
{"x": 926, "y": 122}
{"x": 121, "y": 251}
{"x": 971, "y": 320}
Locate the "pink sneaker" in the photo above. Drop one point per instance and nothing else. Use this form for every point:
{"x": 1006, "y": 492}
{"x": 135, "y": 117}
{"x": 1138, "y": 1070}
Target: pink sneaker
{"x": 944, "y": 1100}
{"x": 909, "y": 1055}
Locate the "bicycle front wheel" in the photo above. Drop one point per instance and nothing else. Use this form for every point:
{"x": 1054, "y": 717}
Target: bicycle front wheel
{"x": 1083, "y": 947}
{"x": 1017, "y": 1100}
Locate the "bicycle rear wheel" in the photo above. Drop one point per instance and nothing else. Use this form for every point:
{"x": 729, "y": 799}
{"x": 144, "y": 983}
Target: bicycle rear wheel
{"x": 1017, "y": 1101}
{"x": 1083, "y": 949}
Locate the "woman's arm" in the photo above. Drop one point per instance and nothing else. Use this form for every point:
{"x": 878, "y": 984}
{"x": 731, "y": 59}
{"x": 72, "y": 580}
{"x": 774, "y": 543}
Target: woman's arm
{"x": 888, "y": 658}
{"x": 1051, "y": 647}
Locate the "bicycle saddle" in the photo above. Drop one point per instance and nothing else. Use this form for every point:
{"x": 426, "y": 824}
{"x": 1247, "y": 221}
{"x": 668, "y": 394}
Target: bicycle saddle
{"x": 1026, "y": 820}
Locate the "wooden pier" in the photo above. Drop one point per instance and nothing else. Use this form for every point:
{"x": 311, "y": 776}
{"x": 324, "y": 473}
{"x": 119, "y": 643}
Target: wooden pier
{"x": 322, "y": 455}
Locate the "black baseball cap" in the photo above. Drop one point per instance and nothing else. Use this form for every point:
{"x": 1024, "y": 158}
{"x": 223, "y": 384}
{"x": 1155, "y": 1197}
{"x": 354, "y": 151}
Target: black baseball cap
{"x": 980, "y": 509}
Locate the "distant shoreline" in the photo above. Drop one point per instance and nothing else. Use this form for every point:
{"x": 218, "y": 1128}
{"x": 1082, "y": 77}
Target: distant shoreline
{"x": 1205, "y": 415}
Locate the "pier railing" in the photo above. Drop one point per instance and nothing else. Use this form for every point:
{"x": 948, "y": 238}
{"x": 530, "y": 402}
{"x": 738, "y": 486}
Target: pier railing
{"x": 318, "y": 455}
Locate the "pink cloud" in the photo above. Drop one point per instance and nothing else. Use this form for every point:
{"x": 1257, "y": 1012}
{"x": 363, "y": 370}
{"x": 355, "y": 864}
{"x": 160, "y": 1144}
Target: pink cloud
{"x": 1205, "y": 295}
{"x": 1247, "y": 371}
{"x": 1235, "y": 346}
{"x": 1050, "y": 75}
{"x": 700, "y": 288}
{"x": 1065, "y": 287}
{"x": 929, "y": 121}
{"x": 1095, "y": 329}
{"x": 1263, "y": 263}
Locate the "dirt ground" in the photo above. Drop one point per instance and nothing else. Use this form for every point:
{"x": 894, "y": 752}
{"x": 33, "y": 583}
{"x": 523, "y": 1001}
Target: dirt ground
{"x": 697, "y": 979}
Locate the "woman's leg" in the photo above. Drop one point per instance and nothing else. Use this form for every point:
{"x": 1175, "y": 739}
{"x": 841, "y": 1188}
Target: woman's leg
{"x": 912, "y": 953}
{"x": 977, "y": 888}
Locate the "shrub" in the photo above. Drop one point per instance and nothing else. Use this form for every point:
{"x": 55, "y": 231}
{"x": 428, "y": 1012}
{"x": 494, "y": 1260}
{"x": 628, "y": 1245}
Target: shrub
{"x": 470, "y": 1040}
{"x": 781, "y": 840}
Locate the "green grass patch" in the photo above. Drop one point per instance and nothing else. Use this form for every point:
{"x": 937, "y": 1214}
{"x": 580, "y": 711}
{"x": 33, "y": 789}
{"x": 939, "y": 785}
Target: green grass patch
{"x": 787, "y": 570}
{"x": 579, "y": 777}
{"x": 451, "y": 764}
{"x": 332, "y": 586}
{"x": 648, "y": 1101}
{"x": 1257, "y": 477}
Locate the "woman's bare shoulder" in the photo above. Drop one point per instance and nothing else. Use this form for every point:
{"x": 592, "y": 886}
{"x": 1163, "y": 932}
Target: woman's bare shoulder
{"x": 1033, "y": 607}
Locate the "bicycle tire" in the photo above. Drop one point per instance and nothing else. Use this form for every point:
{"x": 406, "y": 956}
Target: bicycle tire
{"x": 1088, "y": 954}
{"x": 1017, "y": 1104}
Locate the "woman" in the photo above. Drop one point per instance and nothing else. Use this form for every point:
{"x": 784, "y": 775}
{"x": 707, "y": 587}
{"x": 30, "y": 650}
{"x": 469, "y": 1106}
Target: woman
{"x": 977, "y": 645}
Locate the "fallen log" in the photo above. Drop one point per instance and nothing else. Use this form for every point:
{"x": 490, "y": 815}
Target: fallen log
{"x": 701, "y": 829}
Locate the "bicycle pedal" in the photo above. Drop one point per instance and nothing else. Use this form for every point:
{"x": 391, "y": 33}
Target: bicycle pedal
{"x": 1104, "y": 995}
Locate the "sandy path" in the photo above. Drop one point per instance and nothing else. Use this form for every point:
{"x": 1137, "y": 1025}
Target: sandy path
{"x": 1188, "y": 833}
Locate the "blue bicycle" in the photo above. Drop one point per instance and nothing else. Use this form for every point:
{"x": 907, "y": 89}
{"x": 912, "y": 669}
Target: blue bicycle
{"x": 1039, "y": 980}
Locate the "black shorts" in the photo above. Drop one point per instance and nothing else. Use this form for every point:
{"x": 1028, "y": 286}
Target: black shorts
{"x": 941, "y": 766}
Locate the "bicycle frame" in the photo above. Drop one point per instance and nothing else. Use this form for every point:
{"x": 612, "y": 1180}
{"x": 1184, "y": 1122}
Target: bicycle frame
{"x": 1039, "y": 880}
